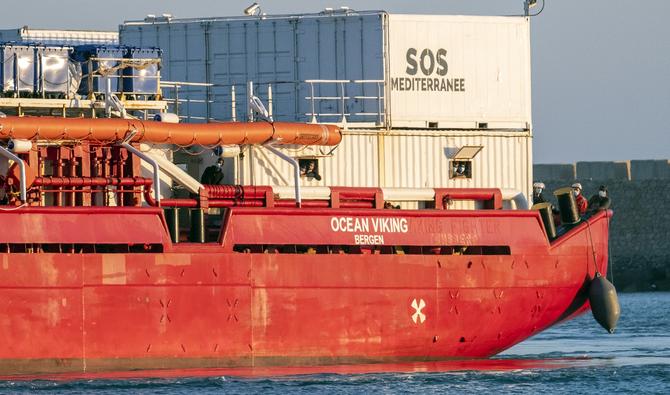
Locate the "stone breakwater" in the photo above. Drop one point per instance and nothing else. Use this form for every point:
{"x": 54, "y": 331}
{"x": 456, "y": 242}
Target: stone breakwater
{"x": 640, "y": 228}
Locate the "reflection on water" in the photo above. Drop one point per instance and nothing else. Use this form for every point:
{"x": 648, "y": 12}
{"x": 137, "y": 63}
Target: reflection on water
{"x": 642, "y": 338}
{"x": 574, "y": 357}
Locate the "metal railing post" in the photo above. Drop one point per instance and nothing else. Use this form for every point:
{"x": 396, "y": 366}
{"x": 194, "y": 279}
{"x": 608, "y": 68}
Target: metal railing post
{"x": 89, "y": 77}
{"x": 344, "y": 118}
{"x": 296, "y": 171}
{"x": 156, "y": 176}
{"x": 176, "y": 99}
{"x": 233, "y": 105}
{"x": 16, "y": 75}
{"x": 313, "y": 120}
{"x": 270, "y": 100}
{"x": 379, "y": 103}
{"x": 108, "y": 98}
{"x": 40, "y": 70}
{"x": 250, "y": 94}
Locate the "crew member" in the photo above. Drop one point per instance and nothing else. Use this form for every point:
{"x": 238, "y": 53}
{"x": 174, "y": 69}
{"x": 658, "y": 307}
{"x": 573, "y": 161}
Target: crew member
{"x": 582, "y": 203}
{"x": 599, "y": 201}
{"x": 458, "y": 170}
{"x": 213, "y": 175}
{"x": 309, "y": 169}
{"x": 538, "y": 195}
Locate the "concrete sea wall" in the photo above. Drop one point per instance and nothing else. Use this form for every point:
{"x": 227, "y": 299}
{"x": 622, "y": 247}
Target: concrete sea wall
{"x": 640, "y": 229}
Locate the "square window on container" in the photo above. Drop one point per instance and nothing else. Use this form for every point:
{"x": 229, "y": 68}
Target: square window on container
{"x": 461, "y": 163}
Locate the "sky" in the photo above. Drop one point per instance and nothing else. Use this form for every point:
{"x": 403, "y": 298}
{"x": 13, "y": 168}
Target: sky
{"x": 600, "y": 68}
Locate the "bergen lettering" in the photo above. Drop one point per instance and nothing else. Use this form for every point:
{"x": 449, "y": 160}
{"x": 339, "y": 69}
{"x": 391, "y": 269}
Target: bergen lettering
{"x": 426, "y": 71}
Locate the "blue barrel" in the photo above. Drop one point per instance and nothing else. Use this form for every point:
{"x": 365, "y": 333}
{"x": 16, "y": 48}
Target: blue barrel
{"x": 142, "y": 79}
{"x": 54, "y": 71}
{"x": 96, "y": 71}
{"x": 19, "y": 69}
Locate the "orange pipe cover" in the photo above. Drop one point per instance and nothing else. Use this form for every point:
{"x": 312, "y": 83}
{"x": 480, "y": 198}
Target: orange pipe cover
{"x": 184, "y": 134}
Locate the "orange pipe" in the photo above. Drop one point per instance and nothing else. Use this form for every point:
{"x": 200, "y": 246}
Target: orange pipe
{"x": 184, "y": 134}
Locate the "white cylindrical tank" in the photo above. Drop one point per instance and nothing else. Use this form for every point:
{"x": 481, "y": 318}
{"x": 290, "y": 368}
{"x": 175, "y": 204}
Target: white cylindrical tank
{"x": 167, "y": 117}
{"x": 228, "y": 151}
{"x": 19, "y": 146}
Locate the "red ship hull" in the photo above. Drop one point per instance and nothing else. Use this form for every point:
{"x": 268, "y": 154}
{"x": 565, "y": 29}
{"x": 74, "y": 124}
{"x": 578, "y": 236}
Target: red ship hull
{"x": 282, "y": 287}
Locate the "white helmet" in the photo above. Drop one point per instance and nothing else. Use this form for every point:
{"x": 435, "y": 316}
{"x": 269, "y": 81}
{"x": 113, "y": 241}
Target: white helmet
{"x": 577, "y": 186}
{"x": 538, "y": 185}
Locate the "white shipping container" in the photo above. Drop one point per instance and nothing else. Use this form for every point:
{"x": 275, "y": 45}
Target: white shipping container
{"x": 284, "y": 51}
{"x": 418, "y": 160}
{"x": 405, "y": 159}
{"x": 459, "y": 71}
{"x": 262, "y": 167}
{"x": 367, "y": 67}
{"x": 59, "y": 37}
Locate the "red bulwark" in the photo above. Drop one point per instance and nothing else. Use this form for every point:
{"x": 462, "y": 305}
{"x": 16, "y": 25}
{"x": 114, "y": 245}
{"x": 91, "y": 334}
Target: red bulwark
{"x": 522, "y": 229}
{"x": 83, "y": 225}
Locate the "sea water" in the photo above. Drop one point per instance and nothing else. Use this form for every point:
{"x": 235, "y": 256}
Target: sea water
{"x": 576, "y": 357}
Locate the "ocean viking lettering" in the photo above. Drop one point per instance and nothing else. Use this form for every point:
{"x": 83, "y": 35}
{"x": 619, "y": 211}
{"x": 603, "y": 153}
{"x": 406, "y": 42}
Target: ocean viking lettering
{"x": 379, "y": 224}
{"x": 367, "y": 225}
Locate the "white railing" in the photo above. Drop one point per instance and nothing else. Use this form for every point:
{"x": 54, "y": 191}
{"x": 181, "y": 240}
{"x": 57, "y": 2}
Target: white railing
{"x": 328, "y": 101}
{"x": 342, "y": 98}
{"x": 173, "y": 94}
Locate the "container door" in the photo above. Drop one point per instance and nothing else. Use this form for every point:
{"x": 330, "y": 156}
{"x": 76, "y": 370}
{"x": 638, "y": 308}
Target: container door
{"x": 340, "y": 63}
